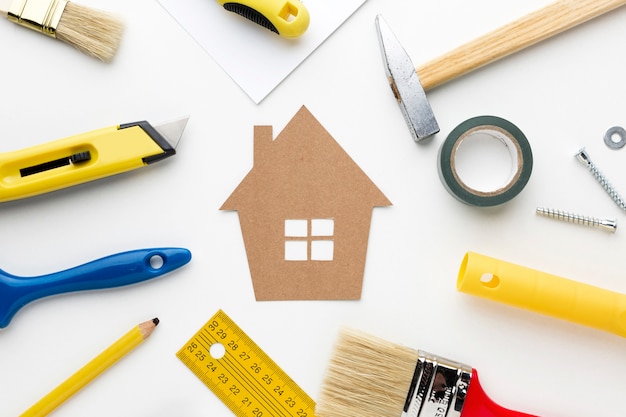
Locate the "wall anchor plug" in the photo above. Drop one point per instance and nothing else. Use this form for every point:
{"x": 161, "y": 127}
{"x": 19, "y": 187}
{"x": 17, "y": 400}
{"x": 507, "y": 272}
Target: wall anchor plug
{"x": 584, "y": 158}
{"x": 609, "y": 225}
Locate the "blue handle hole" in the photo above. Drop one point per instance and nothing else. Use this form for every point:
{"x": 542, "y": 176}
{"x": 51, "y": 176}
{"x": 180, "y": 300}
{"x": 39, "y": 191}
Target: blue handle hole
{"x": 156, "y": 262}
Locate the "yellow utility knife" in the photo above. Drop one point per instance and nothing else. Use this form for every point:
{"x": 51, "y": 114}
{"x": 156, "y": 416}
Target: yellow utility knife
{"x": 86, "y": 157}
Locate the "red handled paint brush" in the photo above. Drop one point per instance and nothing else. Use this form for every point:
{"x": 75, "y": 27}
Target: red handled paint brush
{"x": 371, "y": 377}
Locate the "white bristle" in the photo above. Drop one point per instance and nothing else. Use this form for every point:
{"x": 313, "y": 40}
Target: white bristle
{"x": 93, "y": 32}
{"x": 366, "y": 377}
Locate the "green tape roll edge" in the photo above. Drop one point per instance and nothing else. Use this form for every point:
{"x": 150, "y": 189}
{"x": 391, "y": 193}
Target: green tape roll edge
{"x": 504, "y": 130}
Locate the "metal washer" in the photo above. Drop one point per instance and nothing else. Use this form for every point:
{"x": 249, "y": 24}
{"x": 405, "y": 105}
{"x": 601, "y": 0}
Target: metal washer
{"x": 613, "y": 131}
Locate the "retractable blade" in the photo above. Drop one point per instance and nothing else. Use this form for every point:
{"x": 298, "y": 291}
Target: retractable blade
{"x": 86, "y": 157}
{"x": 173, "y": 131}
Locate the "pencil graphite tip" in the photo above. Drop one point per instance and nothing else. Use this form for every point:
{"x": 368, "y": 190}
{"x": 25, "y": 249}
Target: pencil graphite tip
{"x": 147, "y": 327}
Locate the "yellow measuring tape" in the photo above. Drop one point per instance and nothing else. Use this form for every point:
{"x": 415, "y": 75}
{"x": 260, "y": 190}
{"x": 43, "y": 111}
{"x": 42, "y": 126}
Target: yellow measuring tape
{"x": 248, "y": 381}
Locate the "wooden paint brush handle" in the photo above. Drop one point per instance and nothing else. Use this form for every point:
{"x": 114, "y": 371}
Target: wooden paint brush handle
{"x": 526, "y": 31}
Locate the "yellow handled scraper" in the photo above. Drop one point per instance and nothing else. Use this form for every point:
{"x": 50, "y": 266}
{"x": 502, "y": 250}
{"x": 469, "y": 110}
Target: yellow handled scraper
{"x": 287, "y": 18}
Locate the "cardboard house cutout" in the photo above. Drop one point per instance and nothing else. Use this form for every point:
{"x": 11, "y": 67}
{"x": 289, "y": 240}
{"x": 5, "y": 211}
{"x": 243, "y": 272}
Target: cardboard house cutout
{"x": 305, "y": 210}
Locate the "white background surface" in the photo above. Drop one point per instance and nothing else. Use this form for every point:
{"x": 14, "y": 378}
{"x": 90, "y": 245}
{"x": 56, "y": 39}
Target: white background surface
{"x": 564, "y": 93}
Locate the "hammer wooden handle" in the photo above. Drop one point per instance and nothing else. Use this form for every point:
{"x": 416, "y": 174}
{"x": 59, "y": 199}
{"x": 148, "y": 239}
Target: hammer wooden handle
{"x": 535, "y": 27}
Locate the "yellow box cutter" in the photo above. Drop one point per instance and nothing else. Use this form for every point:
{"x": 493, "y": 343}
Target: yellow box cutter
{"x": 86, "y": 157}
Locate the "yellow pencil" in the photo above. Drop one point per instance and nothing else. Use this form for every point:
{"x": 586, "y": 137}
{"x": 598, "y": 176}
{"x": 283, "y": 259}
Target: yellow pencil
{"x": 94, "y": 368}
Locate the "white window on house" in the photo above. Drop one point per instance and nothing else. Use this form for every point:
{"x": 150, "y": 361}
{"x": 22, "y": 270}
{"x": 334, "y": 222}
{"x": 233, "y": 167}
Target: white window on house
{"x": 309, "y": 239}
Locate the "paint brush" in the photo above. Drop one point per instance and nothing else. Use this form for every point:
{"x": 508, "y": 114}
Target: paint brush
{"x": 93, "y": 32}
{"x": 371, "y": 377}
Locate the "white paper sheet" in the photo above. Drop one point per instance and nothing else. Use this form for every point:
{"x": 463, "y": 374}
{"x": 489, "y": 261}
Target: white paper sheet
{"x": 254, "y": 57}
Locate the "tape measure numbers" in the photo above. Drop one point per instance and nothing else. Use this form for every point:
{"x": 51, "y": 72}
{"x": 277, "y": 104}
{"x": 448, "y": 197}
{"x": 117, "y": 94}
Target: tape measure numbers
{"x": 248, "y": 381}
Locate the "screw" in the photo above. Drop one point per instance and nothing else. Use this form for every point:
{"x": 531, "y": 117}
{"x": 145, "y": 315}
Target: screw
{"x": 584, "y": 158}
{"x": 606, "y": 224}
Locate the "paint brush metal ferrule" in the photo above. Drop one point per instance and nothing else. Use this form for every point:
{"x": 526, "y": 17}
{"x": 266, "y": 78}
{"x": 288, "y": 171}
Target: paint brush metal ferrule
{"x": 439, "y": 387}
{"x": 40, "y": 15}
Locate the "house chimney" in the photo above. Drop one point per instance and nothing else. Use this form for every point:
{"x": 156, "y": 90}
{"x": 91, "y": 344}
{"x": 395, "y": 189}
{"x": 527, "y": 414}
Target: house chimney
{"x": 262, "y": 141}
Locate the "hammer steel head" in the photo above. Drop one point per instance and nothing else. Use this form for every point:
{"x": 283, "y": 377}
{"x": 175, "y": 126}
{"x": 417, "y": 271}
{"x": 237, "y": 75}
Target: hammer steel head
{"x": 405, "y": 84}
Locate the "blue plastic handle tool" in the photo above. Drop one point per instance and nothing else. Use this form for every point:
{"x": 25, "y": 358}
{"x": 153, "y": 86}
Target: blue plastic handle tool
{"x": 112, "y": 271}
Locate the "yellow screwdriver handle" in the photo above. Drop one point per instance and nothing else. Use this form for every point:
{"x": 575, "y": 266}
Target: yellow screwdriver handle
{"x": 79, "y": 159}
{"x": 541, "y": 292}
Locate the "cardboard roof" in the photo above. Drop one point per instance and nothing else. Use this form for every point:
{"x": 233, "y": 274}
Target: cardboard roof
{"x": 303, "y": 166}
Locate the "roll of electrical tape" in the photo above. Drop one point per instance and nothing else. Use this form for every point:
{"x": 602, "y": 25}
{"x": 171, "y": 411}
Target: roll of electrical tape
{"x": 511, "y": 136}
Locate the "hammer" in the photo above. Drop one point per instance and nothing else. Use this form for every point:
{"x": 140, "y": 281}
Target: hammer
{"x": 409, "y": 83}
